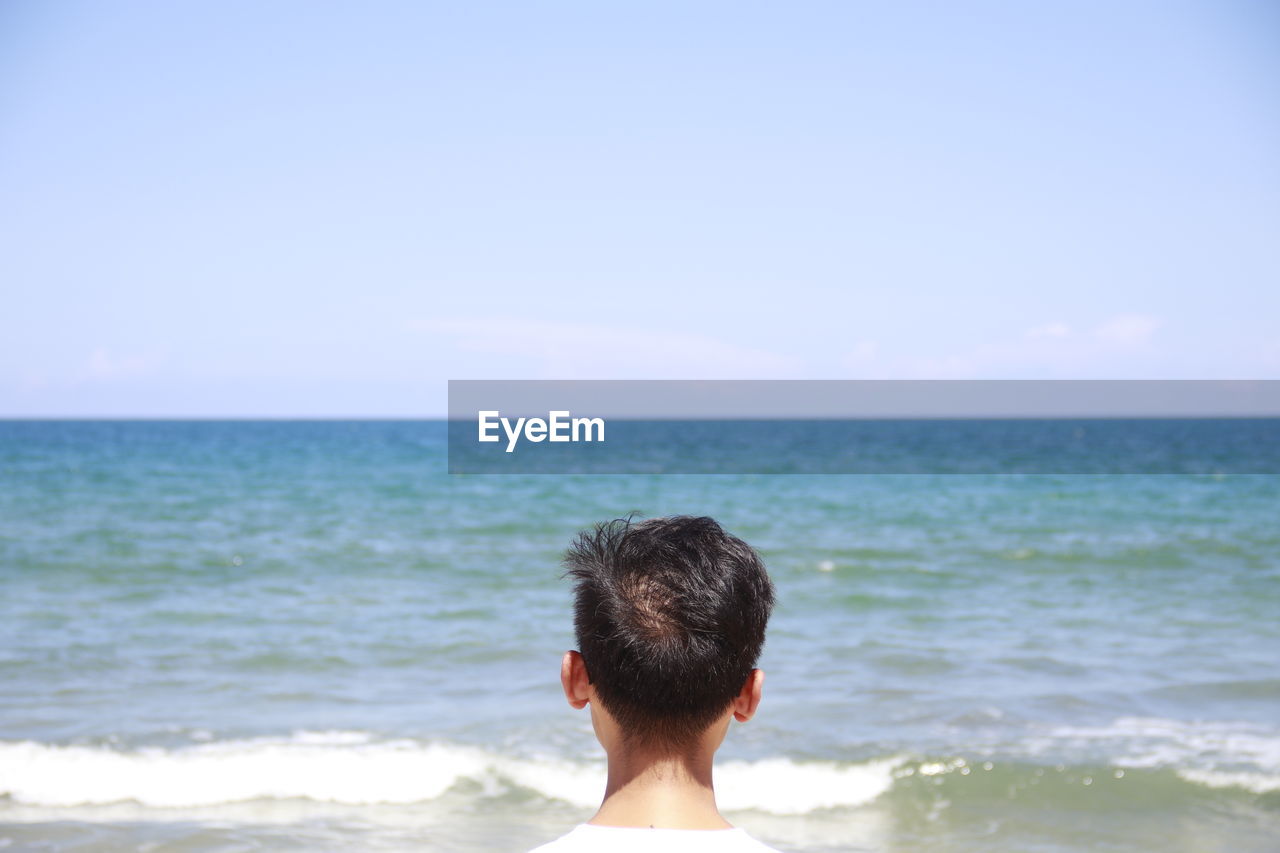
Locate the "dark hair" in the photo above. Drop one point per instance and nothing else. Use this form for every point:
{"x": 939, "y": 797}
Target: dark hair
{"x": 670, "y": 616}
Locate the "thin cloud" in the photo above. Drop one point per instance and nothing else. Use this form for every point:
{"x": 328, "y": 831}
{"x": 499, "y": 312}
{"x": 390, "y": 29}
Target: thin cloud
{"x": 103, "y": 365}
{"x": 1049, "y": 330}
{"x": 1128, "y": 329}
{"x": 545, "y": 349}
{"x": 863, "y": 360}
{"x": 1115, "y": 348}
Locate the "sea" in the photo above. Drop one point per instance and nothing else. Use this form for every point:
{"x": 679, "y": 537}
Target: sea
{"x": 307, "y": 635}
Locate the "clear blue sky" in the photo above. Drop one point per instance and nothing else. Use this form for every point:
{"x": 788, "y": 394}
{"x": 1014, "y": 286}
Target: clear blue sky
{"x": 306, "y": 208}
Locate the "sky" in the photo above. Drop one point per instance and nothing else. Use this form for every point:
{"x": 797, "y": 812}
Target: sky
{"x": 240, "y": 209}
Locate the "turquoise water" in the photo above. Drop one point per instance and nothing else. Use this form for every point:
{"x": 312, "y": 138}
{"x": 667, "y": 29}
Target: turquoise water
{"x": 233, "y": 635}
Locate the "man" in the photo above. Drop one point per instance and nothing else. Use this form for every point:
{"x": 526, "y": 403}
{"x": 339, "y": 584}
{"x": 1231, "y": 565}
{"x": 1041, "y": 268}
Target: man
{"x": 670, "y": 617}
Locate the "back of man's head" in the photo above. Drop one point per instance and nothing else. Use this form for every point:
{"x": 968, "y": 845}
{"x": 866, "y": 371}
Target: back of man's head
{"x": 670, "y": 616}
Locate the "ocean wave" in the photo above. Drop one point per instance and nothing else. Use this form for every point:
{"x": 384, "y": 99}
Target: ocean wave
{"x": 783, "y": 786}
{"x": 1258, "y": 783}
{"x": 1213, "y": 753}
{"x": 353, "y": 771}
{"x": 353, "y": 768}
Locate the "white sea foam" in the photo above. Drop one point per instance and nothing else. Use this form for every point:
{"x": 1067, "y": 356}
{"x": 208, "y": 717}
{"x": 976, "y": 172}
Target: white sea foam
{"x": 783, "y": 786}
{"x": 358, "y": 769}
{"x": 236, "y": 771}
{"x": 1217, "y": 754}
{"x": 353, "y": 768}
{"x": 1259, "y": 783}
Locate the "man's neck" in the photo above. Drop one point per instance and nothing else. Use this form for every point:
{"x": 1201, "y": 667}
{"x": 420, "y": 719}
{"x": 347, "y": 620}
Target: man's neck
{"x": 664, "y": 792}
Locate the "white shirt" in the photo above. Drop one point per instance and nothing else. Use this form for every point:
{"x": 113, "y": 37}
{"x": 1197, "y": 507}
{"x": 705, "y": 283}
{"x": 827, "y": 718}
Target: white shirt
{"x": 589, "y": 838}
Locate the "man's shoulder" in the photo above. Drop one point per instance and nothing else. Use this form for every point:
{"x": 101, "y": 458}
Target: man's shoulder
{"x": 589, "y": 837}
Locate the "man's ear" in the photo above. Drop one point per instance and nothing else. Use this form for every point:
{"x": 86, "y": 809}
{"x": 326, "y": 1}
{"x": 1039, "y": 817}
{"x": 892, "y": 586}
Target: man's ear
{"x": 748, "y": 698}
{"x": 574, "y": 680}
